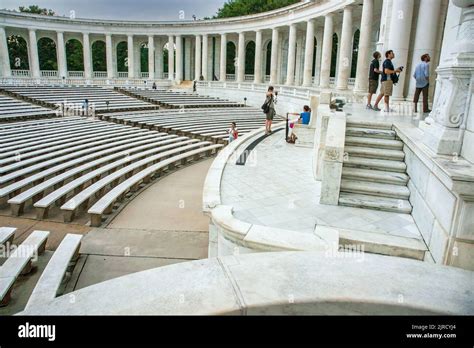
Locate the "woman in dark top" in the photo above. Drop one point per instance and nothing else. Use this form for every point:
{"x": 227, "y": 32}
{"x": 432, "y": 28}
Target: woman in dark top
{"x": 270, "y": 101}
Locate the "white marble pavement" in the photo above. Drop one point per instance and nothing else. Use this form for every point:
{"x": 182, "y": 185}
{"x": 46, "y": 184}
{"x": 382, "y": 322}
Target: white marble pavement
{"x": 277, "y": 189}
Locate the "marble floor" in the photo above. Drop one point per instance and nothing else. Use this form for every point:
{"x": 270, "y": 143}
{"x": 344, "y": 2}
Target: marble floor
{"x": 276, "y": 188}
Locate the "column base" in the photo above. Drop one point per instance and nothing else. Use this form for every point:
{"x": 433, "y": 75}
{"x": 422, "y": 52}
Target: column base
{"x": 442, "y": 140}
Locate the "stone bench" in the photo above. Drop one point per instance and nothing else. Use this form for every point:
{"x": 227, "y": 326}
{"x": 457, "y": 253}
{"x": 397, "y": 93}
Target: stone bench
{"x": 6, "y": 235}
{"x": 50, "y": 281}
{"x": 128, "y": 134}
{"x": 43, "y": 205}
{"x": 82, "y": 199}
{"x": 19, "y": 262}
{"x": 105, "y": 204}
{"x": 79, "y": 156}
{"x": 36, "y": 192}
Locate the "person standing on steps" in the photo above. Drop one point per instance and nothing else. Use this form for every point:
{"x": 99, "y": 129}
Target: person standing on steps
{"x": 374, "y": 75}
{"x": 389, "y": 78}
{"x": 422, "y": 77}
{"x": 269, "y": 109}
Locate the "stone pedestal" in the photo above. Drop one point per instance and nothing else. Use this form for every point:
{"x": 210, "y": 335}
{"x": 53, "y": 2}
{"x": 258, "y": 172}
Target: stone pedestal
{"x": 444, "y": 128}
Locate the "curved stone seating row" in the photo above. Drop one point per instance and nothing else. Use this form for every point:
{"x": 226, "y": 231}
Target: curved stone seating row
{"x": 19, "y": 262}
{"x": 12, "y": 109}
{"x": 77, "y": 163}
{"x": 102, "y": 99}
{"x": 172, "y": 99}
{"x": 208, "y": 124}
{"x": 289, "y": 283}
{"x": 22, "y": 258}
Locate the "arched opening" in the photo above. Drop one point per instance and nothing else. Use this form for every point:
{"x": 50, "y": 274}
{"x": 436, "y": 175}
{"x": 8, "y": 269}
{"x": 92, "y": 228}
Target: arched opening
{"x": 47, "y": 54}
{"x": 18, "y": 52}
{"x": 122, "y": 57}
{"x": 250, "y": 58}
{"x": 99, "y": 56}
{"x": 144, "y": 57}
{"x": 268, "y": 58}
{"x": 231, "y": 52}
{"x": 315, "y": 46}
{"x": 355, "y": 53}
{"x": 74, "y": 55}
{"x": 334, "y": 55}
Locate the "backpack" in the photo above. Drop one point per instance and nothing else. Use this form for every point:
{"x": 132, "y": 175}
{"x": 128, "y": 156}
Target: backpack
{"x": 266, "y": 106}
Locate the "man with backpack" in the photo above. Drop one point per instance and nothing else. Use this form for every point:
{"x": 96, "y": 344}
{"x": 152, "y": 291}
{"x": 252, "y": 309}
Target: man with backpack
{"x": 389, "y": 78}
{"x": 269, "y": 109}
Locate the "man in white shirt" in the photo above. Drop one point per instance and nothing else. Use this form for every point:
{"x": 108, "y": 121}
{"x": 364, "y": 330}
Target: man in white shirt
{"x": 422, "y": 77}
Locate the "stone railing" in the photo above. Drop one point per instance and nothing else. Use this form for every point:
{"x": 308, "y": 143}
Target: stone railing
{"x": 122, "y": 74}
{"x": 228, "y": 235}
{"x": 73, "y": 74}
{"x": 22, "y": 81}
{"x": 249, "y": 77}
{"x": 284, "y": 283}
{"x": 100, "y": 74}
{"x": 145, "y": 75}
{"x": 20, "y": 73}
{"x": 230, "y": 77}
{"x": 49, "y": 73}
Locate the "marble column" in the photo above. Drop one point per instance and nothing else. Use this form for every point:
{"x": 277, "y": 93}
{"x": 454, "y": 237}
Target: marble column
{"x": 4, "y": 58}
{"x": 205, "y": 53}
{"x": 61, "y": 53}
{"x": 363, "y": 57}
{"x": 33, "y": 53}
{"x": 197, "y": 58}
{"x": 425, "y": 38}
{"x": 223, "y": 63}
{"x": 109, "y": 56}
{"x": 327, "y": 50}
{"x": 130, "y": 62}
{"x": 384, "y": 22}
{"x": 86, "y": 45}
{"x": 274, "y": 57}
{"x": 309, "y": 55}
{"x": 179, "y": 58}
{"x": 399, "y": 40}
{"x": 258, "y": 57}
{"x": 241, "y": 58}
{"x": 159, "y": 59}
{"x": 448, "y": 129}
{"x": 290, "y": 71}
{"x": 151, "y": 57}
{"x": 171, "y": 57}
{"x": 345, "y": 53}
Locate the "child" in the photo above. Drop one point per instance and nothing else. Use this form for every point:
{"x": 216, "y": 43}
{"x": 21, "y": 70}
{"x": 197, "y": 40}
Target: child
{"x": 233, "y": 132}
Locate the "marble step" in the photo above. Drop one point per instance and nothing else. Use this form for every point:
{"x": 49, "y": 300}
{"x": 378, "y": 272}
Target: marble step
{"x": 371, "y": 133}
{"x": 401, "y": 206}
{"x": 376, "y": 164}
{"x": 379, "y": 176}
{"x": 369, "y": 124}
{"x": 374, "y": 142}
{"x": 375, "y": 189}
{"x": 370, "y": 152}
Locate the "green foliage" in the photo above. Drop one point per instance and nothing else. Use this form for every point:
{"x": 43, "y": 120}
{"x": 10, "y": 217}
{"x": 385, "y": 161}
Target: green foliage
{"x": 18, "y": 52}
{"x": 122, "y": 54}
{"x": 35, "y": 9}
{"x": 99, "y": 57}
{"x": 234, "y": 8}
{"x": 47, "y": 54}
{"x": 74, "y": 55}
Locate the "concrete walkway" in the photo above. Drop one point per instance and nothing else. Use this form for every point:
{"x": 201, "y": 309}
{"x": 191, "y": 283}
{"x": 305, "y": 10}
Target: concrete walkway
{"x": 278, "y": 189}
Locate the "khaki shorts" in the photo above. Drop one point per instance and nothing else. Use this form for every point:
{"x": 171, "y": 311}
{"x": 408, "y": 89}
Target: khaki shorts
{"x": 373, "y": 85}
{"x": 387, "y": 88}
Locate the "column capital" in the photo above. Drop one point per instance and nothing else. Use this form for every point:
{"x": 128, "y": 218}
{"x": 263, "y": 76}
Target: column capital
{"x": 329, "y": 15}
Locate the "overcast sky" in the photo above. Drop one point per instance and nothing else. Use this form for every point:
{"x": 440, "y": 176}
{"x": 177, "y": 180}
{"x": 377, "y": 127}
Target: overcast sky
{"x": 125, "y": 9}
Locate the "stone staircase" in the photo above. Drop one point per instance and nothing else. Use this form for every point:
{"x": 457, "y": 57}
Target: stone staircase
{"x": 374, "y": 172}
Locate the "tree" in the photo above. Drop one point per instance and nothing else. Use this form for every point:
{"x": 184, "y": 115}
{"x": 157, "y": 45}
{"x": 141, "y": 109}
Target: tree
{"x": 35, "y": 9}
{"x": 234, "y": 8}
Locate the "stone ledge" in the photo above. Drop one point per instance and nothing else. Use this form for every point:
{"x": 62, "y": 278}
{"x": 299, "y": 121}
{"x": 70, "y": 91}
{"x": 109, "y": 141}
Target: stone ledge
{"x": 310, "y": 283}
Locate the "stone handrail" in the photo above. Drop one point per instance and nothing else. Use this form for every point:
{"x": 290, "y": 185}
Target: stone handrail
{"x": 290, "y": 283}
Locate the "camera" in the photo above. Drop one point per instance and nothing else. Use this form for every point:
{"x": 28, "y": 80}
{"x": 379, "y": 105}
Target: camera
{"x": 401, "y": 68}
{"x": 276, "y": 93}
